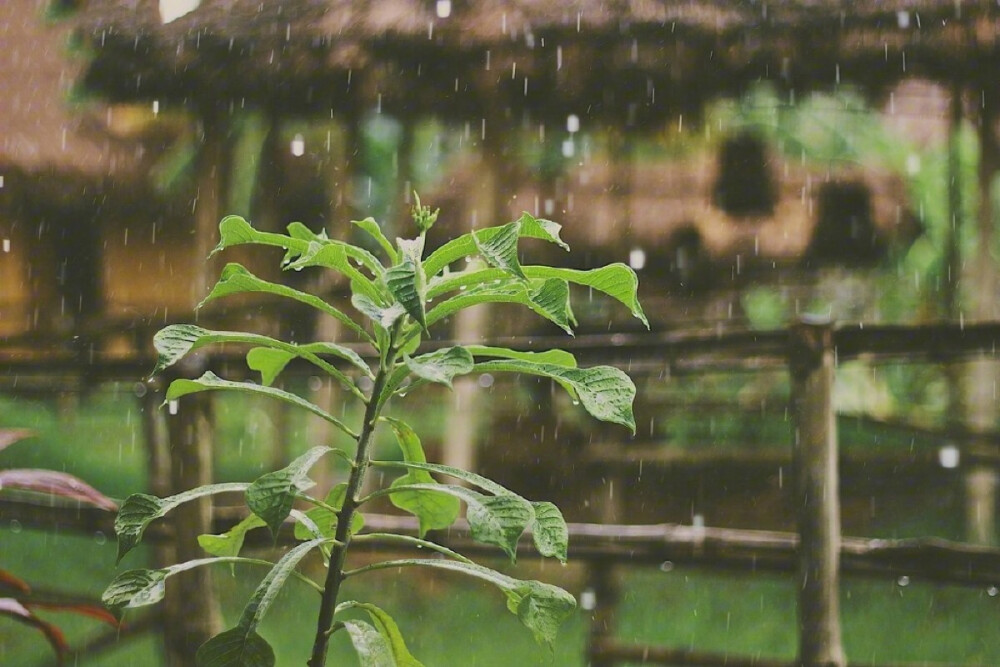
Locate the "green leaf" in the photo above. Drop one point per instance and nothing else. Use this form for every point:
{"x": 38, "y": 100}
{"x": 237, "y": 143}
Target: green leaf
{"x": 230, "y": 542}
{"x": 140, "y": 509}
{"x": 235, "y": 230}
{"x": 496, "y": 520}
{"x": 498, "y": 246}
{"x": 212, "y": 382}
{"x": 606, "y": 392}
{"x": 372, "y": 648}
{"x": 325, "y": 520}
{"x": 616, "y": 280}
{"x": 372, "y": 228}
{"x": 441, "y": 366}
{"x": 435, "y": 511}
{"x": 235, "y": 279}
{"x": 548, "y": 298}
{"x": 134, "y": 588}
{"x": 271, "y": 496}
{"x": 406, "y": 280}
{"x": 539, "y": 606}
{"x": 555, "y": 357}
{"x": 383, "y": 316}
{"x": 386, "y": 627}
{"x": 549, "y": 531}
{"x": 272, "y": 583}
{"x": 235, "y": 648}
{"x": 465, "y": 245}
{"x": 269, "y": 362}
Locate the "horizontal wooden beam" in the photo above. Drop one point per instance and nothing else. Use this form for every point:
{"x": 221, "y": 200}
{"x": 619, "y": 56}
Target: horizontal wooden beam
{"x": 928, "y": 559}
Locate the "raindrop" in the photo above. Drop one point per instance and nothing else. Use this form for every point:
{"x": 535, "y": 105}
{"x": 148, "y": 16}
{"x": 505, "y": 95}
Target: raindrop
{"x": 572, "y": 123}
{"x": 949, "y": 456}
{"x": 667, "y": 566}
{"x": 588, "y": 599}
{"x": 139, "y": 389}
{"x": 315, "y": 383}
{"x": 992, "y": 591}
{"x": 15, "y": 526}
{"x": 100, "y": 537}
{"x": 172, "y": 407}
{"x": 568, "y": 148}
{"x": 637, "y": 258}
{"x": 156, "y": 107}
{"x": 485, "y": 380}
{"x": 6, "y": 245}
{"x": 298, "y": 147}
{"x": 365, "y": 383}
{"x": 903, "y": 581}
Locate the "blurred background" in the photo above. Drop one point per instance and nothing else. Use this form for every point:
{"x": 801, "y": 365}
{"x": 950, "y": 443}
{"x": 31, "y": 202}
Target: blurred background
{"x": 755, "y": 163}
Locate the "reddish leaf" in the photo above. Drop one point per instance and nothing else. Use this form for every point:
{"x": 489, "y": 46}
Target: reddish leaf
{"x": 55, "y": 483}
{"x": 8, "y": 436}
{"x": 11, "y": 584}
{"x": 17, "y": 611}
{"x": 83, "y": 609}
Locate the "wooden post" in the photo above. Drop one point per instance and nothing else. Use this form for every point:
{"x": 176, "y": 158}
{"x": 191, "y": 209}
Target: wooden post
{"x": 600, "y": 599}
{"x": 811, "y": 359}
{"x": 191, "y": 611}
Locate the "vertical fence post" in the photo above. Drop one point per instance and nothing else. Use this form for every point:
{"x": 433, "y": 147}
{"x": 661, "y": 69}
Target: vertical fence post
{"x": 811, "y": 361}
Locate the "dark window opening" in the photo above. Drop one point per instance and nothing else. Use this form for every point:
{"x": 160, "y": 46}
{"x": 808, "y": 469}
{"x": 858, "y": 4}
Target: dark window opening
{"x": 845, "y": 231}
{"x": 745, "y": 186}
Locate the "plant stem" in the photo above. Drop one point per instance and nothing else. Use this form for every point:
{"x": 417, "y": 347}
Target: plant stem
{"x": 335, "y": 573}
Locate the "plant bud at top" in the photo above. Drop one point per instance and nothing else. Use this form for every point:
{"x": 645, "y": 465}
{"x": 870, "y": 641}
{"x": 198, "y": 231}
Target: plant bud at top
{"x": 422, "y": 215}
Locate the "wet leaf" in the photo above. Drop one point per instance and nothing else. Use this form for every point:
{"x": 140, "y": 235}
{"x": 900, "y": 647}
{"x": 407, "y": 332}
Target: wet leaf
{"x": 235, "y": 648}
{"x": 9, "y": 436}
{"x": 548, "y": 298}
{"x": 271, "y": 496}
{"x": 549, "y": 531}
{"x": 230, "y": 543}
{"x": 528, "y": 226}
{"x": 386, "y": 627}
{"x": 435, "y": 511}
{"x": 140, "y": 509}
{"x": 616, "y": 280}
{"x": 405, "y": 283}
{"x": 14, "y": 609}
{"x": 371, "y": 646}
{"x": 441, "y": 366}
{"x": 555, "y": 357}
{"x": 324, "y": 520}
{"x": 498, "y": 246}
{"x": 370, "y": 227}
{"x": 209, "y": 381}
{"x": 606, "y": 392}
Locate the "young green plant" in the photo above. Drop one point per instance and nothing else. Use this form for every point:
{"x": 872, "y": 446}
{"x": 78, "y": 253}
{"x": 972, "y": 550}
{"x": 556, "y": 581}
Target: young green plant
{"x": 401, "y": 296}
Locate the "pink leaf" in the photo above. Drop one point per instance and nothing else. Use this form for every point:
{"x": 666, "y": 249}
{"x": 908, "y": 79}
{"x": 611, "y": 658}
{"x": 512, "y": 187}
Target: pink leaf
{"x": 55, "y": 483}
{"x": 8, "y": 436}
{"x": 12, "y": 584}
{"x": 94, "y": 611}
{"x": 16, "y": 610}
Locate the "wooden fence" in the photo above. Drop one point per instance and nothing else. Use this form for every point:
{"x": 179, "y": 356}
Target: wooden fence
{"x": 817, "y": 554}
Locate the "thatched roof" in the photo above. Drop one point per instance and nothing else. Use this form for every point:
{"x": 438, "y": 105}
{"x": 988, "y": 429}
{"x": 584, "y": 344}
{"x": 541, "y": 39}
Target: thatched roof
{"x": 545, "y": 57}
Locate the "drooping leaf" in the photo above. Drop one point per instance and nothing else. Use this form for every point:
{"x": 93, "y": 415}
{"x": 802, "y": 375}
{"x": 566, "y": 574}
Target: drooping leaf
{"x": 140, "y": 509}
{"x": 176, "y": 340}
{"x": 435, "y": 511}
{"x": 8, "y": 436}
{"x": 496, "y": 520}
{"x": 407, "y": 285}
{"x": 441, "y": 366}
{"x": 135, "y": 588}
{"x": 616, "y": 280}
{"x": 235, "y": 279}
{"x": 539, "y": 606}
{"x": 605, "y": 392}
{"x": 271, "y": 496}
{"x": 465, "y": 245}
{"x": 209, "y": 381}
{"x": 383, "y": 316}
{"x": 370, "y": 227}
{"x": 484, "y": 483}
{"x": 372, "y": 648}
{"x": 324, "y": 520}
{"x": 235, "y": 230}
{"x": 498, "y": 246}
{"x": 55, "y": 484}
{"x": 16, "y": 610}
{"x": 548, "y": 298}
{"x": 340, "y": 257}
{"x": 230, "y": 543}
{"x": 386, "y": 627}
{"x": 555, "y": 357}
{"x": 235, "y": 648}
{"x": 549, "y": 531}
